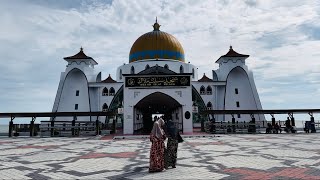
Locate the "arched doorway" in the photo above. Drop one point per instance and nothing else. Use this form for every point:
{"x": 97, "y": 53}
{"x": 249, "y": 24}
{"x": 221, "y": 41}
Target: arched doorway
{"x": 156, "y": 103}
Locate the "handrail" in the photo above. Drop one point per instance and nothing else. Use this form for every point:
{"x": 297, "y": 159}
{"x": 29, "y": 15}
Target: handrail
{"x": 258, "y": 111}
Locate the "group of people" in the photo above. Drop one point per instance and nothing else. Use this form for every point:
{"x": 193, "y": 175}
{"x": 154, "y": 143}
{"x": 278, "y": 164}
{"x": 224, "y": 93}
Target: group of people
{"x": 161, "y": 156}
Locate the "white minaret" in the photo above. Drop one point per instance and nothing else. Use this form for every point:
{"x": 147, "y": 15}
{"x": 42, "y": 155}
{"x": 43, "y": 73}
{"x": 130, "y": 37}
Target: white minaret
{"x": 73, "y": 91}
{"x": 240, "y": 92}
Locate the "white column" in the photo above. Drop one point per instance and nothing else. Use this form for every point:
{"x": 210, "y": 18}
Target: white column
{"x": 128, "y": 120}
{"x": 187, "y": 123}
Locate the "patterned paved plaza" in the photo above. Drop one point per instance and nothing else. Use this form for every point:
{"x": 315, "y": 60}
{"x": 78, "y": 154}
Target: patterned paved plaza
{"x": 275, "y": 156}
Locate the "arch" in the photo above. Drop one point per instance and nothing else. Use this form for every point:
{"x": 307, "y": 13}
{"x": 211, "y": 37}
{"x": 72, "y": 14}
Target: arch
{"x": 105, "y": 92}
{"x": 209, "y": 90}
{"x": 202, "y": 90}
{"x": 120, "y": 74}
{"x": 192, "y": 72}
{"x": 181, "y": 69}
{"x": 166, "y": 66}
{"x": 157, "y": 98}
{"x": 147, "y": 66}
{"x": 105, "y": 107}
{"x": 111, "y": 91}
{"x": 209, "y": 105}
{"x": 132, "y": 70}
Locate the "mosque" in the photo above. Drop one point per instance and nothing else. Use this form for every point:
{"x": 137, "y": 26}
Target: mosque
{"x": 157, "y": 80}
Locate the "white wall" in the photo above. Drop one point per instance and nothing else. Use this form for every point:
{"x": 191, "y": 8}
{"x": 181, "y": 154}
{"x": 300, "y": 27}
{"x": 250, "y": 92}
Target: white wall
{"x": 75, "y": 80}
{"x": 239, "y": 79}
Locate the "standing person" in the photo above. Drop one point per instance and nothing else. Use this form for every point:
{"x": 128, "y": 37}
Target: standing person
{"x": 172, "y": 144}
{"x": 157, "y": 138}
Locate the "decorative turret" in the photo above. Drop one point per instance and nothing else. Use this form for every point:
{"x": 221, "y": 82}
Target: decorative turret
{"x": 231, "y": 53}
{"x": 80, "y": 56}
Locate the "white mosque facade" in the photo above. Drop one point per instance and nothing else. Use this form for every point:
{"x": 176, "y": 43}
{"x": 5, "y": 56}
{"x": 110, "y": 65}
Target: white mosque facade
{"x": 157, "y": 80}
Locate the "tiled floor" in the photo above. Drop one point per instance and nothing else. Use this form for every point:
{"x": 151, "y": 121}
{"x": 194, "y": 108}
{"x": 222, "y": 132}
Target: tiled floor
{"x": 261, "y": 156}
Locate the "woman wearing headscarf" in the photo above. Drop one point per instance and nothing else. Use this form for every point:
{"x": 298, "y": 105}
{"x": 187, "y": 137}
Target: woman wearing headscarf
{"x": 172, "y": 145}
{"x": 157, "y": 138}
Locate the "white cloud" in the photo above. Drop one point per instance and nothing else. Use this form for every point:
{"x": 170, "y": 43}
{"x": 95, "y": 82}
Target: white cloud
{"x": 34, "y": 37}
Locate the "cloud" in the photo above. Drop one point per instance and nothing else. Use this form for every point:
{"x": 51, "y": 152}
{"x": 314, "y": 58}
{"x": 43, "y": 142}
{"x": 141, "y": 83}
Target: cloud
{"x": 281, "y": 38}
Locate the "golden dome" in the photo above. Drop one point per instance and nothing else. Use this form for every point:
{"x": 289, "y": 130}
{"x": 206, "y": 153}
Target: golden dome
{"x": 156, "y": 45}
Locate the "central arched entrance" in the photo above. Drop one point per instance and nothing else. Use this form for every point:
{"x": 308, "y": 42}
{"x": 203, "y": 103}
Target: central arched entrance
{"x": 156, "y": 103}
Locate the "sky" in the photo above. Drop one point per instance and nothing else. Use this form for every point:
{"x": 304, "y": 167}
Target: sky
{"x": 282, "y": 38}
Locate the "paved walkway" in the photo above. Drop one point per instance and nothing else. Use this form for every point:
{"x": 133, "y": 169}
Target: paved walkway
{"x": 275, "y": 156}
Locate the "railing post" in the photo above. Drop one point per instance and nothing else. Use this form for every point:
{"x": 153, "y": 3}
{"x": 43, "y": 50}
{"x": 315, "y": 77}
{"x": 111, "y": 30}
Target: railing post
{"x": 32, "y": 126}
{"x": 313, "y": 128}
{"x": 52, "y": 125}
{"x": 97, "y": 126}
{"x": 273, "y": 121}
{"x": 73, "y": 125}
{"x": 10, "y": 128}
{"x": 233, "y": 123}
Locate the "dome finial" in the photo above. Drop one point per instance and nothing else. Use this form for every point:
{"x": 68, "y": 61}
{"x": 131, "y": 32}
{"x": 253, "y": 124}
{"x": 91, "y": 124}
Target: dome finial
{"x": 230, "y": 47}
{"x": 81, "y": 49}
{"x": 156, "y": 26}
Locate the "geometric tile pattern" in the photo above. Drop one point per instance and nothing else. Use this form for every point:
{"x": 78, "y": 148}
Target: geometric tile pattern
{"x": 241, "y": 156}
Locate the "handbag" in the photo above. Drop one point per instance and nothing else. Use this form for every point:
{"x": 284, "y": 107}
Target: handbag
{"x": 180, "y": 140}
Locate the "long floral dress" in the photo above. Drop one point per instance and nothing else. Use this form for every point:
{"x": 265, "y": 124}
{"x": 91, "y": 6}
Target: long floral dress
{"x": 157, "y": 154}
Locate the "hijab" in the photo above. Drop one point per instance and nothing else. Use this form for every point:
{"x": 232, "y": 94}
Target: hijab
{"x": 157, "y": 131}
{"x": 171, "y": 129}
{"x": 161, "y": 122}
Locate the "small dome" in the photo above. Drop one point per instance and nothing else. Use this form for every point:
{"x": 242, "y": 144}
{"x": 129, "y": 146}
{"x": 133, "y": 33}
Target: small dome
{"x": 156, "y": 45}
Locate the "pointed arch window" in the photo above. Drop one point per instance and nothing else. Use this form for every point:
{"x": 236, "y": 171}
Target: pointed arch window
{"x": 202, "y": 90}
{"x": 166, "y": 66}
{"x": 181, "y": 69}
{"x": 111, "y": 91}
{"x": 105, "y": 92}
{"x": 105, "y": 107}
{"x": 132, "y": 70}
{"x": 192, "y": 72}
{"x": 209, "y": 90}
{"x": 209, "y": 105}
{"x": 147, "y": 66}
{"x": 120, "y": 74}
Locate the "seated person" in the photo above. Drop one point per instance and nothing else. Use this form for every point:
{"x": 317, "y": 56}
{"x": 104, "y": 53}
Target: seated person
{"x": 269, "y": 128}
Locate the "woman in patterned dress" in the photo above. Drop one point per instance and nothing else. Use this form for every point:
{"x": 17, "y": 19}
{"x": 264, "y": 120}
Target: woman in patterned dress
{"x": 157, "y": 138}
{"x": 172, "y": 145}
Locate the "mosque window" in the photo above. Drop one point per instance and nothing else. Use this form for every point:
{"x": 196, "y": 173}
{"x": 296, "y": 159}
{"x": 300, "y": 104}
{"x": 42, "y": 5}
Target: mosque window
{"x": 181, "y": 69}
{"x": 209, "y": 105}
{"x": 105, "y": 107}
{"x": 202, "y": 90}
{"x": 192, "y": 73}
{"x": 238, "y": 104}
{"x": 236, "y": 91}
{"x": 77, "y": 93}
{"x": 166, "y": 66}
{"x": 147, "y": 66}
{"x": 132, "y": 70}
{"x": 76, "y": 106}
{"x": 111, "y": 92}
{"x": 120, "y": 74}
{"x": 209, "y": 90}
{"x": 105, "y": 92}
